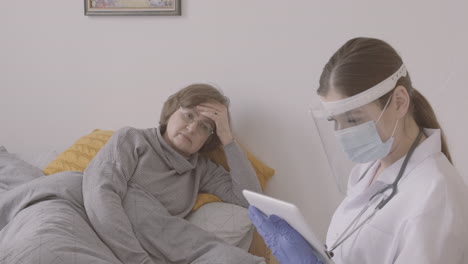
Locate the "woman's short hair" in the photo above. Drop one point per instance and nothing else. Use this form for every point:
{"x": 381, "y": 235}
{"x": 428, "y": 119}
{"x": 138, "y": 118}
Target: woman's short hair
{"x": 190, "y": 97}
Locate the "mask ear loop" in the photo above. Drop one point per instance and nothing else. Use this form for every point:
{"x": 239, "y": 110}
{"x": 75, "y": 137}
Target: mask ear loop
{"x": 396, "y": 125}
{"x": 385, "y": 108}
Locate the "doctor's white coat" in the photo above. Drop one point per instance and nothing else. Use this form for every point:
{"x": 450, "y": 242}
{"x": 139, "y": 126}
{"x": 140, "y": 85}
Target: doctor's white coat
{"x": 425, "y": 222}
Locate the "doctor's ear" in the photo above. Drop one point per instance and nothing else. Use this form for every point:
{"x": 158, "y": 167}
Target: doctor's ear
{"x": 401, "y": 100}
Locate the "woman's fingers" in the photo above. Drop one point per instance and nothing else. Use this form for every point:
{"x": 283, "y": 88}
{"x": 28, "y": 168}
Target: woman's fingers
{"x": 213, "y": 108}
{"x": 219, "y": 114}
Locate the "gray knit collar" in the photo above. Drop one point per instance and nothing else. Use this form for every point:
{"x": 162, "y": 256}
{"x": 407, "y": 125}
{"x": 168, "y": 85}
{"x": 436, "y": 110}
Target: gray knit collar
{"x": 180, "y": 163}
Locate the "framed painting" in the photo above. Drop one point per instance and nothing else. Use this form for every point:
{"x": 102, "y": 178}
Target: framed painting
{"x": 132, "y": 7}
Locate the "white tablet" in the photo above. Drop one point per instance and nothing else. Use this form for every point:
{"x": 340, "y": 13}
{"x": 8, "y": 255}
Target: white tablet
{"x": 289, "y": 212}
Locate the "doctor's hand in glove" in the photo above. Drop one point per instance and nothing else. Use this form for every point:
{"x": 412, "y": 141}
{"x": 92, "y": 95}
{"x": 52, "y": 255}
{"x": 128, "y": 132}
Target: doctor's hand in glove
{"x": 286, "y": 244}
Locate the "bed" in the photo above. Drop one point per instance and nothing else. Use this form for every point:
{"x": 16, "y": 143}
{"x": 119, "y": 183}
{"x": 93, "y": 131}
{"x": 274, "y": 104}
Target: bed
{"x": 54, "y": 229}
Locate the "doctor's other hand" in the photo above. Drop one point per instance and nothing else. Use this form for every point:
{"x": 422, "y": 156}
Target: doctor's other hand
{"x": 286, "y": 244}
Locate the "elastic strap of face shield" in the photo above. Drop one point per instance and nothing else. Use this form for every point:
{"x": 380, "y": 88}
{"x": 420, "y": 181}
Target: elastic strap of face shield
{"x": 369, "y": 95}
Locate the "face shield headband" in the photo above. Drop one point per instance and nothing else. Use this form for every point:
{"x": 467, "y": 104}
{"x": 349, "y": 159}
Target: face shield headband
{"x": 340, "y": 106}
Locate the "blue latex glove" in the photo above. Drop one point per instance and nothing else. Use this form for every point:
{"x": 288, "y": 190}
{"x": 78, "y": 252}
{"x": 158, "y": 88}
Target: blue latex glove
{"x": 286, "y": 244}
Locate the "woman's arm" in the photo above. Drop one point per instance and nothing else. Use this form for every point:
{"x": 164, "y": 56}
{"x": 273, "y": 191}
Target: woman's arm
{"x": 217, "y": 181}
{"x": 104, "y": 186}
{"x": 229, "y": 185}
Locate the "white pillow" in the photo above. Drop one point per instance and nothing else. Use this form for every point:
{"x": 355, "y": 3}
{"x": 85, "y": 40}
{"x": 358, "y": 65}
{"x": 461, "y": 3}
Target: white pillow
{"x": 14, "y": 171}
{"x": 39, "y": 159}
{"x": 229, "y": 222}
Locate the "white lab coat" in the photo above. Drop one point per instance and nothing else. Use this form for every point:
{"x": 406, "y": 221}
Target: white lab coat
{"x": 426, "y": 222}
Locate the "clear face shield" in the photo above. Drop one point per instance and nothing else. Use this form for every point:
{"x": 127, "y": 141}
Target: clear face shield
{"x": 348, "y": 129}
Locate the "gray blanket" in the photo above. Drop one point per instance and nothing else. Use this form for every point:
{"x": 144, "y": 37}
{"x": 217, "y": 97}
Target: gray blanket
{"x": 42, "y": 220}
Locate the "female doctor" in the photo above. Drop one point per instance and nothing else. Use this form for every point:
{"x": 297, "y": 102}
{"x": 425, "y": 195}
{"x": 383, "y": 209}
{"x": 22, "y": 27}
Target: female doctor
{"x": 405, "y": 202}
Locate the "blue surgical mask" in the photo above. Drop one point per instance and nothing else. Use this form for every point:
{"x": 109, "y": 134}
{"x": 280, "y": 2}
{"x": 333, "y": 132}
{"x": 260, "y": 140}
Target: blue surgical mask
{"x": 362, "y": 143}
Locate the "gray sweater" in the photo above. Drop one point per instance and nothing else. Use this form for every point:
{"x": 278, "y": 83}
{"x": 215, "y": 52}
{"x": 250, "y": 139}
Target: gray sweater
{"x": 141, "y": 158}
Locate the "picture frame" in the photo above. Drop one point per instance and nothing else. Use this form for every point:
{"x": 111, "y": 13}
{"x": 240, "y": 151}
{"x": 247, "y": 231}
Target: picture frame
{"x": 132, "y": 7}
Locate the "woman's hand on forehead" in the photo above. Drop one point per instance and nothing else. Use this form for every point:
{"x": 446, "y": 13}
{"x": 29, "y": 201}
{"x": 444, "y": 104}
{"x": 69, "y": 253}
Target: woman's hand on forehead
{"x": 219, "y": 114}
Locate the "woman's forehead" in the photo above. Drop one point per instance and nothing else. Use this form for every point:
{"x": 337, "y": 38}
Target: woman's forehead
{"x": 332, "y": 95}
{"x": 369, "y": 109}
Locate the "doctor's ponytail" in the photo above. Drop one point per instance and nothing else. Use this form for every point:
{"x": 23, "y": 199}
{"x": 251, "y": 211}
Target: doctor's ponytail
{"x": 425, "y": 116}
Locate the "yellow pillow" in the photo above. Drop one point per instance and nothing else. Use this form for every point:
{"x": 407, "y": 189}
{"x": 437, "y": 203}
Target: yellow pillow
{"x": 78, "y": 156}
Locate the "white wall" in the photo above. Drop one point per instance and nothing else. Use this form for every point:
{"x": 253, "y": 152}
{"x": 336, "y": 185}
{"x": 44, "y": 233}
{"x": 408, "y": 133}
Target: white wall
{"x": 63, "y": 74}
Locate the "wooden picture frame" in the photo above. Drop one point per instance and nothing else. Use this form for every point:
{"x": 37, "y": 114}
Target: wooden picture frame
{"x": 132, "y": 7}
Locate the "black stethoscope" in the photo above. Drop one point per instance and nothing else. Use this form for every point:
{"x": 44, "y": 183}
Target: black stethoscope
{"x": 394, "y": 187}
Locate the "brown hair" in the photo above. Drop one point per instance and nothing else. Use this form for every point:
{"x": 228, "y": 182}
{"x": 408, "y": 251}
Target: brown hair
{"x": 190, "y": 97}
{"x": 364, "y": 62}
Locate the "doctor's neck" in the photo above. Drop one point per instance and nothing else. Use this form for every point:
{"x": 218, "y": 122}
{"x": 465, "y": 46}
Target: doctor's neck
{"x": 404, "y": 138}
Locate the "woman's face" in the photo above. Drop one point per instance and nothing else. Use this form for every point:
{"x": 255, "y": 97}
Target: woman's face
{"x": 187, "y": 131}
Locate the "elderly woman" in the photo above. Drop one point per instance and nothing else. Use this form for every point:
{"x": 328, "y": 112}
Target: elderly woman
{"x": 143, "y": 182}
